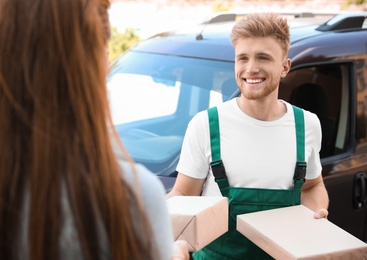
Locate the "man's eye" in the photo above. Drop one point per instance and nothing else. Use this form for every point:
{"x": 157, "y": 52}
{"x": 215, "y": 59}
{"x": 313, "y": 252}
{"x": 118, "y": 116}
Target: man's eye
{"x": 263, "y": 58}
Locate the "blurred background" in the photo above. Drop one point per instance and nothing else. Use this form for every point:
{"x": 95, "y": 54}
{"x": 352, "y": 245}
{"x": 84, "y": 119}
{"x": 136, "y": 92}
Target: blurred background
{"x": 133, "y": 21}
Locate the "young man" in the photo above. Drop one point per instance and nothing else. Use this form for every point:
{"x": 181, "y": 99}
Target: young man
{"x": 266, "y": 164}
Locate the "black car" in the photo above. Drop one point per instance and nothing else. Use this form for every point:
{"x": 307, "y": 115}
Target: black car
{"x": 160, "y": 84}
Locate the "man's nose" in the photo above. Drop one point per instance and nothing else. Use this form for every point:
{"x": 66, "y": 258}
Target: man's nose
{"x": 252, "y": 66}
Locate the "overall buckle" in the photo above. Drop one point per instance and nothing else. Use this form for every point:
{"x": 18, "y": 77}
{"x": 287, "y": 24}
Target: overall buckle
{"x": 218, "y": 169}
{"x": 300, "y": 171}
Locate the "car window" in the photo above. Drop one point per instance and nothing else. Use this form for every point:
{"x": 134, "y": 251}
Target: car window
{"x": 153, "y": 97}
{"x": 159, "y": 81}
{"x": 325, "y": 91}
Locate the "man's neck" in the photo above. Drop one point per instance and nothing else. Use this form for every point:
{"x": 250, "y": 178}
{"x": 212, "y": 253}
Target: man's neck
{"x": 268, "y": 109}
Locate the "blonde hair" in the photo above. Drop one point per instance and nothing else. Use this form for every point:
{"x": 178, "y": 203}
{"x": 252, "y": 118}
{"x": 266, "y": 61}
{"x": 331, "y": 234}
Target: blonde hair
{"x": 263, "y": 25}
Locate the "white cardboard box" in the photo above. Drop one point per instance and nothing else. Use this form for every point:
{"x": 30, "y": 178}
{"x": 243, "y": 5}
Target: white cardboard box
{"x": 294, "y": 233}
{"x": 198, "y": 220}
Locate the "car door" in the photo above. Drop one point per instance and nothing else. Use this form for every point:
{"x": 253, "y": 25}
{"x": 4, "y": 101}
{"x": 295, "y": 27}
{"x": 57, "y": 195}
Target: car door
{"x": 331, "y": 83}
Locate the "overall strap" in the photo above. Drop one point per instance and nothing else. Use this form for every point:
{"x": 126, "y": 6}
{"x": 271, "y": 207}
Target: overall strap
{"x": 300, "y": 170}
{"x": 217, "y": 166}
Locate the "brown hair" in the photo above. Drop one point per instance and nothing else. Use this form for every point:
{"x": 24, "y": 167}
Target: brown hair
{"x": 103, "y": 12}
{"x": 54, "y": 135}
{"x": 263, "y": 25}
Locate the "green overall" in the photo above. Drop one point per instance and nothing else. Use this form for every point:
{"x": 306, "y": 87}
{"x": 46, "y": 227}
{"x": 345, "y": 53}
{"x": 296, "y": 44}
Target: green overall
{"x": 233, "y": 245}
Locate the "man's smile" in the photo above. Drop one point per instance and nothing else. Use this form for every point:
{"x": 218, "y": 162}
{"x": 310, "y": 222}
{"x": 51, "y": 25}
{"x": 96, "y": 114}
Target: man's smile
{"x": 254, "y": 81}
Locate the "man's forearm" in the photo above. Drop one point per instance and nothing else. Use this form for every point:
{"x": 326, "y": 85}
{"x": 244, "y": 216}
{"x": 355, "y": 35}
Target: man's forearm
{"x": 186, "y": 186}
{"x": 173, "y": 193}
{"x": 315, "y": 197}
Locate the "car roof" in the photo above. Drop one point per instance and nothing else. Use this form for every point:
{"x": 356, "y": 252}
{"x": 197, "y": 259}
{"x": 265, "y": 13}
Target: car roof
{"x": 198, "y": 41}
{"x": 185, "y": 42}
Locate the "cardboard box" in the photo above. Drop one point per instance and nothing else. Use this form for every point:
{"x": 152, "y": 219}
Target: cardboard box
{"x": 198, "y": 220}
{"x": 294, "y": 233}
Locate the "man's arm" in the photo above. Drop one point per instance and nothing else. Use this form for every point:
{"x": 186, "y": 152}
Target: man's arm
{"x": 186, "y": 186}
{"x": 315, "y": 197}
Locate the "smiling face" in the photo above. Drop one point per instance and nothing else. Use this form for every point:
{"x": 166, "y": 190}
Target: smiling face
{"x": 260, "y": 64}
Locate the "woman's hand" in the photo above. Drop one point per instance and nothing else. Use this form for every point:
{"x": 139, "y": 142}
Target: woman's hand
{"x": 180, "y": 250}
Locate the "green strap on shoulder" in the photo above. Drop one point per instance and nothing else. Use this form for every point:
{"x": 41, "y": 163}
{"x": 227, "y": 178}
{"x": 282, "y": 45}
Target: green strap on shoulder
{"x": 300, "y": 133}
{"x": 300, "y": 138}
{"x": 217, "y": 166}
{"x": 300, "y": 171}
{"x": 214, "y": 133}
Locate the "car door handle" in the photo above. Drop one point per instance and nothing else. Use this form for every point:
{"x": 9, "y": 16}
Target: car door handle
{"x": 359, "y": 190}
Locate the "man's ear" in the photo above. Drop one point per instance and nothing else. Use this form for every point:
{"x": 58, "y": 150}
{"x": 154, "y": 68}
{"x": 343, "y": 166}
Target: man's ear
{"x": 286, "y": 68}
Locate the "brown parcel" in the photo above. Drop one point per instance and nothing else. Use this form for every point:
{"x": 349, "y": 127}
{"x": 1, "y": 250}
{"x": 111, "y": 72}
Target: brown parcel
{"x": 294, "y": 233}
{"x": 198, "y": 220}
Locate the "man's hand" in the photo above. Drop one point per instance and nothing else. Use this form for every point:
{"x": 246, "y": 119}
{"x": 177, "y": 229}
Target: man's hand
{"x": 322, "y": 213}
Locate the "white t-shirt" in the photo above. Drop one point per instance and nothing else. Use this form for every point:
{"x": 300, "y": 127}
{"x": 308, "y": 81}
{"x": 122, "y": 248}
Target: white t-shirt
{"x": 255, "y": 154}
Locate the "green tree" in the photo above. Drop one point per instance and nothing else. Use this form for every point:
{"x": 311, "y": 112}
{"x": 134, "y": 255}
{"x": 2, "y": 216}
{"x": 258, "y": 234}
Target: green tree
{"x": 120, "y": 42}
{"x": 348, "y": 3}
{"x": 222, "y": 7}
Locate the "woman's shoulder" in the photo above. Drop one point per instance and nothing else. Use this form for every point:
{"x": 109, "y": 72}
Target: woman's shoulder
{"x": 148, "y": 182}
{"x": 153, "y": 200}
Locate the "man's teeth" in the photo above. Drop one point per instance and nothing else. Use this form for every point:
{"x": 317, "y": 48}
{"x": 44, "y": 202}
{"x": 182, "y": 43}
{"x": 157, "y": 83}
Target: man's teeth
{"x": 253, "y": 80}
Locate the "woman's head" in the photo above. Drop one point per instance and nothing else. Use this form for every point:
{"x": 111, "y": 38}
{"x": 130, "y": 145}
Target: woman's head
{"x": 53, "y": 131}
{"x": 53, "y": 50}
{"x": 263, "y": 25}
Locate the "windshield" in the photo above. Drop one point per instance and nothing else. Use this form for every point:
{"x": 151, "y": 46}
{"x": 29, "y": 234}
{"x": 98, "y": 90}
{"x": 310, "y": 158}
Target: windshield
{"x": 153, "y": 97}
